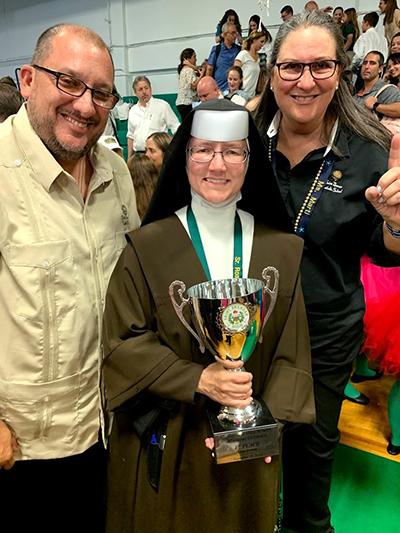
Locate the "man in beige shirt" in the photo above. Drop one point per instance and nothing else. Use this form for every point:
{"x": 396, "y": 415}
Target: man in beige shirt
{"x": 66, "y": 203}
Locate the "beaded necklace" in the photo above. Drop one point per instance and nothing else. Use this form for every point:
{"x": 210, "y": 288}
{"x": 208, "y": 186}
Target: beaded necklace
{"x": 325, "y": 166}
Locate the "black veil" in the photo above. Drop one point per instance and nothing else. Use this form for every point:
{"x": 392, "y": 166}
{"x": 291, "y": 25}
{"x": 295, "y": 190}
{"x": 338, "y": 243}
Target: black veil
{"x": 260, "y": 193}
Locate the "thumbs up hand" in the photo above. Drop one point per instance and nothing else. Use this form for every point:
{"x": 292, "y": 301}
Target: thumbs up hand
{"x": 385, "y": 197}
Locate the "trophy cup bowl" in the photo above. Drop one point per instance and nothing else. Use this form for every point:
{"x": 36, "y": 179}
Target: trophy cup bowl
{"x": 228, "y": 317}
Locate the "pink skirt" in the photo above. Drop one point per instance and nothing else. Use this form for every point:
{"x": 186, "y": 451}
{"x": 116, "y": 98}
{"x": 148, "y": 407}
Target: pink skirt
{"x": 382, "y": 316}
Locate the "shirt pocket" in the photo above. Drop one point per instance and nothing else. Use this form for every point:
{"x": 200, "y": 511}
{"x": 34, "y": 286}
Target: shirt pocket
{"x": 45, "y": 280}
{"x": 111, "y": 249}
{"x": 41, "y": 410}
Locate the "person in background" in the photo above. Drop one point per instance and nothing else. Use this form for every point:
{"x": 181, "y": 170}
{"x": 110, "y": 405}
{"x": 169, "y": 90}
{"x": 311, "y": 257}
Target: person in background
{"x": 10, "y": 101}
{"x": 338, "y": 16}
{"x": 313, "y": 5}
{"x": 156, "y": 146}
{"x": 189, "y": 76}
{"x": 112, "y": 143}
{"x": 147, "y": 116}
{"x": 393, "y": 69}
{"x": 223, "y": 55}
{"x": 395, "y": 44}
{"x": 9, "y": 81}
{"x": 391, "y": 22}
{"x": 286, "y": 13}
{"x": 382, "y": 335}
{"x": 350, "y": 30}
{"x": 330, "y": 160}
{"x": 232, "y": 17}
{"x": 255, "y": 24}
{"x": 385, "y": 103}
{"x": 235, "y": 82}
{"x": 144, "y": 177}
{"x": 369, "y": 40}
{"x": 207, "y": 89}
{"x": 248, "y": 60}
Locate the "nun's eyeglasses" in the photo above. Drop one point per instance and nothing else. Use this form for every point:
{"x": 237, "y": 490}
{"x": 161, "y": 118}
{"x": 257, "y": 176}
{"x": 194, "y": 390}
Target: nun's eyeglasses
{"x": 319, "y": 70}
{"x": 205, "y": 154}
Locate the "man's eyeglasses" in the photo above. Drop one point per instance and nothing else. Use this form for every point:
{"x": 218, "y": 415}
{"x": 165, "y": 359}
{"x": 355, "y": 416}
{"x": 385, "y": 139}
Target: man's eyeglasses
{"x": 319, "y": 70}
{"x": 204, "y": 154}
{"x": 75, "y": 87}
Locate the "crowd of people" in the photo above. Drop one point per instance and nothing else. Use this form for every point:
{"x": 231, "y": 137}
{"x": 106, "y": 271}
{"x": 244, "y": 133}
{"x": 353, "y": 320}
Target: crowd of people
{"x": 307, "y": 181}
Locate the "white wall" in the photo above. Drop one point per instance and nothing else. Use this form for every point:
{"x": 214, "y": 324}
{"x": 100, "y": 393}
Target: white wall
{"x": 145, "y": 36}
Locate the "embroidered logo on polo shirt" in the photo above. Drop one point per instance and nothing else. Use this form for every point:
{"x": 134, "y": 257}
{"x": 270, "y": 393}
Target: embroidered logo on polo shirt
{"x": 332, "y": 183}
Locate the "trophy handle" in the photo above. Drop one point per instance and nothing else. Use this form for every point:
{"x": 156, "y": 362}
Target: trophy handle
{"x": 179, "y": 309}
{"x": 273, "y": 293}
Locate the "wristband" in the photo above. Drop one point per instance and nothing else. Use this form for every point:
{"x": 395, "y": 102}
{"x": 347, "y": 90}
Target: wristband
{"x": 375, "y": 105}
{"x": 394, "y": 232}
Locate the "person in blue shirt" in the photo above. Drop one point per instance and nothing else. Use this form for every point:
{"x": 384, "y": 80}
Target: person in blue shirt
{"x": 223, "y": 55}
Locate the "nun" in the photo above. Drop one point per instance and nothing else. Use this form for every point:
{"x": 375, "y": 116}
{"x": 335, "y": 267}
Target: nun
{"x": 216, "y": 189}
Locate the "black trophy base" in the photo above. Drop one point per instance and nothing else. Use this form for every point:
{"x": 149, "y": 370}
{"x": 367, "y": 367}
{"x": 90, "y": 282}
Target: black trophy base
{"x": 255, "y": 440}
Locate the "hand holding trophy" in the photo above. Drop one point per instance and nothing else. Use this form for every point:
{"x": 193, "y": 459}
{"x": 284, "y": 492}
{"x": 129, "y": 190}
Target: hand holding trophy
{"x": 229, "y": 316}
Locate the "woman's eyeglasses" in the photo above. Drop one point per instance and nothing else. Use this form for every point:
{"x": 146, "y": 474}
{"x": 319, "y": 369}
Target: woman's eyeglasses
{"x": 319, "y": 70}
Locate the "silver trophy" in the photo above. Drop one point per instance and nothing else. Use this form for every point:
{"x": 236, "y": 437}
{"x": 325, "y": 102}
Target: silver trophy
{"x": 228, "y": 316}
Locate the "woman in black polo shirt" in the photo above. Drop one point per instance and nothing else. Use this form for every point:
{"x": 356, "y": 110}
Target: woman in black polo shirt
{"x": 325, "y": 152}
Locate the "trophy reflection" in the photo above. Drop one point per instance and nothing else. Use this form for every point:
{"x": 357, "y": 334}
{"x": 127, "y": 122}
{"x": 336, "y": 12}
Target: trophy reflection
{"x": 229, "y": 316}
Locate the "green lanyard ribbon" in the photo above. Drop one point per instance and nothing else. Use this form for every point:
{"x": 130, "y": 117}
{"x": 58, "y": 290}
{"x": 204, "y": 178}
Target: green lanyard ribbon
{"x": 198, "y": 245}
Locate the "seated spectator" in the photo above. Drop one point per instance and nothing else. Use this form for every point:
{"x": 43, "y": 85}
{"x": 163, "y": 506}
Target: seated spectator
{"x": 10, "y": 101}
{"x": 144, "y": 176}
{"x": 112, "y": 143}
{"x": 9, "y": 81}
{"x": 232, "y": 17}
{"x": 385, "y": 102}
{"x": 189, "y": 76}
{"x": 207, "y": 89}
{"x": 393, "y": 69}
{"x": 286, "y": 13}
{"x": 248, "y": 60}
{"x": 156, "y": 146}
{"x": 235, "y": 82}
{"x": 369, "y": 40}
{"x": 395, "y": 43}
{"x": 147, "y": 116}
{"x": 223, "y": 55}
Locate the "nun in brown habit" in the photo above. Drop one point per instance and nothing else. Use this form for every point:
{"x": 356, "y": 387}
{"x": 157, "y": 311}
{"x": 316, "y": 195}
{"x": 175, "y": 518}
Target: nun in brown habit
{"x": 157, "y": 381}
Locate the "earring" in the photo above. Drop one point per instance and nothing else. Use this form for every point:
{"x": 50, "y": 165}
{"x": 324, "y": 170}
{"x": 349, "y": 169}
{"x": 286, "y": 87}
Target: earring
{"x": 272, "y": 88}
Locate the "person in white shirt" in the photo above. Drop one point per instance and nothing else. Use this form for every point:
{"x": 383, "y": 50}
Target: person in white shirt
{"x": 369, "y": 40}
{"x": 66, "y": 203}
{"x": 148, "y": 116}
{"x": 248, "y": 60}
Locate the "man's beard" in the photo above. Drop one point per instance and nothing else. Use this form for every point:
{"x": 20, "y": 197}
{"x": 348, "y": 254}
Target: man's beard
{"x": 44, "y": 128}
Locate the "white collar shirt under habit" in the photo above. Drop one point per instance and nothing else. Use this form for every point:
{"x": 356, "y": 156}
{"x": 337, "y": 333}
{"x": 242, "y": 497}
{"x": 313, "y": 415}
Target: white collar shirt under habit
{"x": 216, "y": 226}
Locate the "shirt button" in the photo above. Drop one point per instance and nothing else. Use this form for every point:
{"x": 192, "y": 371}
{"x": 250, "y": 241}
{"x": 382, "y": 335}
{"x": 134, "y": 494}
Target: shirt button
{"x": 17, "y": 163}
{"x": 102, "y": 301}
{"x": 46, "y": 263}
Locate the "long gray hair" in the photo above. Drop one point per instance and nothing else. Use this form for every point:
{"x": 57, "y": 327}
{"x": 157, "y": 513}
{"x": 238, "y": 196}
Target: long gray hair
{"x": 352, "y": 116}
